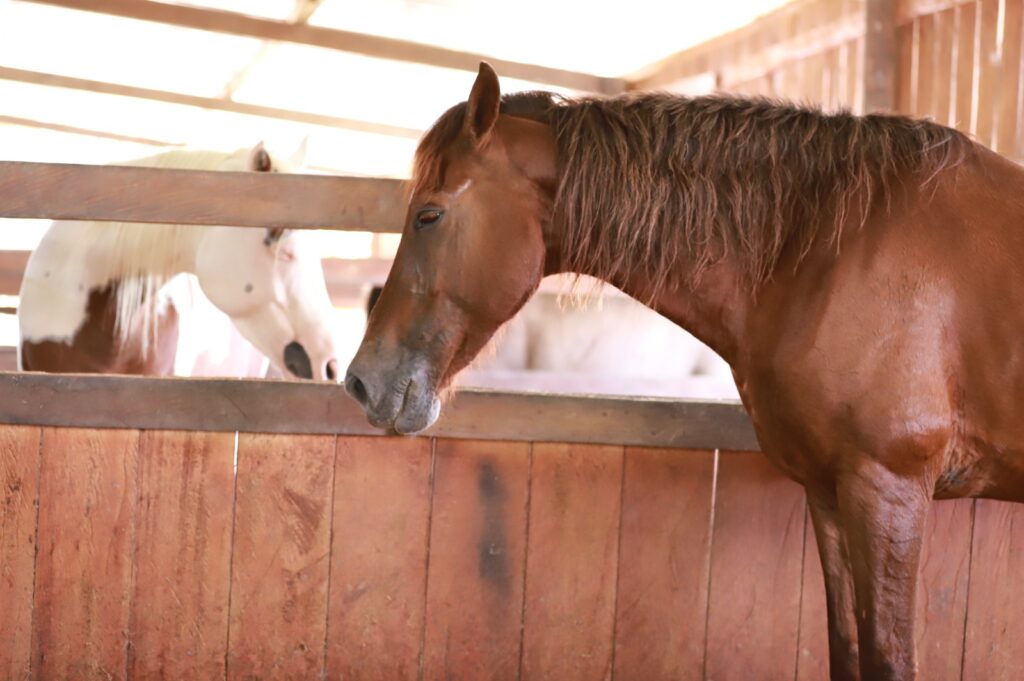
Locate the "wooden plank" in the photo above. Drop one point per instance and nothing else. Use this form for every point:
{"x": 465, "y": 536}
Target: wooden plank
{"x": 942, "y": 590}
{"x": 210, "y": 103}
{"x": 347, "y": 41}
{"x": 280, "y": 558}
{"x": 8, "y": 359}
{"x": 926, "y": 73}
{"x": 196, "y": 197}
{"x": 965, "y": 31}
{"x": 994, "y": 645}
{"x": 664, "y": 563}
{"x": 986, "y": 54}
{"x": 856, "y": 66}
{"x": 753, "y": 614}
{"x": 477, "y": 558}
{"x": 19, "y": 489}
{"x": 812, "y": 648}
{"x": 87, "y": 503}
{"x": 943, "y": 73}
{"x": 1010, "y": 75}
{"x": 880, "y": 55}
{"x": 906, "y": 84}
{"x": 88, "y": 132}
{"x": 306, "y": 407}
{"x": 379, "y": 558}
{"x": 342, "y": 275}
{"x": 708, "y": 55}
{"x": 833, "y": 80}
{"x": 182, "y": 573}
{"x": 572, "y": 562}
{"x": 907, "y": 10}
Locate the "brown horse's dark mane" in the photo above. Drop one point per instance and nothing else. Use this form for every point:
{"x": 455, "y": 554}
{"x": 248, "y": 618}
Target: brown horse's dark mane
{"x": 648, "y": 178}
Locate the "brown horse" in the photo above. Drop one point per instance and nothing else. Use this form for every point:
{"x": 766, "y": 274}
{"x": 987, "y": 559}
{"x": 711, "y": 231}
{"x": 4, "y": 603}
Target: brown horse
{"x": 860, "y": 274}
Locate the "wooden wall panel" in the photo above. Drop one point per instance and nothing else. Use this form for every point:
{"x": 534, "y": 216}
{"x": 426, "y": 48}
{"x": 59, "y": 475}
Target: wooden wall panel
{"x": 994, "y": 645}
{"x": 965, "y": 34}
{"x": 942, "y": 590}
{"x": 812, "y": 647}
{"x": 19, "y": 487}
{"x": 927, "y": 48}
{"x": 477, "y": 560}
{"x": 664, "y": 563}
{"x": 180, "y": 605}
{"x": 379, "y": 558}
{"x": 87, "y": 501}
{"x": 572, "y": 562}
{"x": 280, "y": 559}
{"x": 942, "y": 79}
{"x": 906, "y": 93}
{"x": 756, "y": 564}
{"x": 1009, "y": 88}
{"x": 986, "y": 55}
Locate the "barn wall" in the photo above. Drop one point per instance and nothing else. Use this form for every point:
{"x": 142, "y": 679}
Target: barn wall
{"x": 957, "y": 62}
{"x": 170, "y": 554}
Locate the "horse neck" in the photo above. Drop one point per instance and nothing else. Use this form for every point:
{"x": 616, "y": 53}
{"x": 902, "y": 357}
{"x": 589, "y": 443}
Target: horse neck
{"x": 149, "y": 251}
{"x": 714, "y": 308}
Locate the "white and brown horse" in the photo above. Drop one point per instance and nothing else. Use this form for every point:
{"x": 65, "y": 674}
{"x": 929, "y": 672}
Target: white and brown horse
{"x": 112, "y": 298}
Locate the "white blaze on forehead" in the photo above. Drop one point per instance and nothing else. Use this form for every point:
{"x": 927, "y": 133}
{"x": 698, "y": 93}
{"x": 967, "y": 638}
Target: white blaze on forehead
{"x": 461, "y": 188}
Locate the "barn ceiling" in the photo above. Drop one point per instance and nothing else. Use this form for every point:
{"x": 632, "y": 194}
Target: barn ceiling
{"x": 595, "y": 37}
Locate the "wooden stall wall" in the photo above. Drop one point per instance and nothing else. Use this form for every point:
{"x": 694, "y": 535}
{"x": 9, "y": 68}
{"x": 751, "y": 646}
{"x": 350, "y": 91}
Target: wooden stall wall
{"x": 960, "y": 63}
{"x": 128, "y": 554}
{"x": 809, "y": 50}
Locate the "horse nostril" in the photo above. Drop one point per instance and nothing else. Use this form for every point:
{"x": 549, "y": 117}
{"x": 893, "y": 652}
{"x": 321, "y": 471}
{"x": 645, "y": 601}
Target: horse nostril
{"x": 331, "y": 370}
{"x": 296, "y": 360}
{"x": 355, "y": 388}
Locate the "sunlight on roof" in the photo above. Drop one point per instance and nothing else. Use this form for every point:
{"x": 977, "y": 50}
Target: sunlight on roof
{"x": 47, "y": 123}
{"x": 604, "y": 38}
{"x": 125, "y": 51}
{"x": 363, "y": 88}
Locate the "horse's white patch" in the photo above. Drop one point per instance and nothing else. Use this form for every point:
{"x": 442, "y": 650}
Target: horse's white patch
{"x": 461, "y": 188}
{"x": 247, "y": 276}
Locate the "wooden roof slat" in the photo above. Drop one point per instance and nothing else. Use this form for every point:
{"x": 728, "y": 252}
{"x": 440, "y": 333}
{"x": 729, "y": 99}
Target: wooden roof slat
{"x": 129, "y": 194}
{"x": 358, "y": 43}
{"x": 95, "y": 401}
{"x": 210, "y": 103}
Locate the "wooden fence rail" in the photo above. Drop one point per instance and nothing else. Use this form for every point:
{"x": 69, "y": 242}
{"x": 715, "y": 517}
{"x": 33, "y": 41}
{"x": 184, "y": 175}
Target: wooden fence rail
{"x": 150, "y": 554}
{"x": 130, "y": 194}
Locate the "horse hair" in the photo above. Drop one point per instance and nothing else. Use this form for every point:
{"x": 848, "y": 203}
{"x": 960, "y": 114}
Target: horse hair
{"x": 647, "y": 178}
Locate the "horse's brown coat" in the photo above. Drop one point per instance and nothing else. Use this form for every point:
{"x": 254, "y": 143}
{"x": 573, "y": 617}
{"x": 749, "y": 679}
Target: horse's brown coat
{"x": 872, "y": 307}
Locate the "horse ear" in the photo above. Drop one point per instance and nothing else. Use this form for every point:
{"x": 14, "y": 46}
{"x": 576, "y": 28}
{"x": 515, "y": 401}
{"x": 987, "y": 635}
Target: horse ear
{"x": 259, "y": 159}
{"x": 273, "y": 235}
{"x": 483, "y": 104}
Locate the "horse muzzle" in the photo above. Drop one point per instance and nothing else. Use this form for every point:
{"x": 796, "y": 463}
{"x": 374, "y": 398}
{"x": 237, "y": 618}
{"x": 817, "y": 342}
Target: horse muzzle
{"x": 404, "y": 401}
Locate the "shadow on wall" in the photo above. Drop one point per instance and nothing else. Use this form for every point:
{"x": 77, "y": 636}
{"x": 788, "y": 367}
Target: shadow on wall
{"x": 614, "y": 345}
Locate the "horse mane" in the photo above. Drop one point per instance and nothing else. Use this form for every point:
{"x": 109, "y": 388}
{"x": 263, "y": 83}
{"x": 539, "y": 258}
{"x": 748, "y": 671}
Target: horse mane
{"x": 646, "y": 178}
{"x": 142, "y": 257}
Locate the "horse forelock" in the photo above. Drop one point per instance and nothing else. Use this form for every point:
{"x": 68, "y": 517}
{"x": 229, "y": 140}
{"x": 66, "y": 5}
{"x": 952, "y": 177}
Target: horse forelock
{"x": 647, "y": 178}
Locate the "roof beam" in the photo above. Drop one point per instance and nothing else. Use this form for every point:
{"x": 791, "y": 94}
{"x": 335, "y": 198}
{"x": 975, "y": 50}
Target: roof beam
{"x": 75, "y": 130}
{"x": 347, "y": 41}
{"x": 210, "y": 103}
{"x": 192, "y": 197}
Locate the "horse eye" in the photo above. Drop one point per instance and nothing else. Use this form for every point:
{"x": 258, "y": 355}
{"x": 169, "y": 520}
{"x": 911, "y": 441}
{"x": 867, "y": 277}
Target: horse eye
{"x": 428, "y": 217}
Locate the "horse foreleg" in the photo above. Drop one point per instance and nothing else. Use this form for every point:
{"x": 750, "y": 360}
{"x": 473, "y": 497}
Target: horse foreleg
{"x": 843, "y": 660}
{"x": 882, "y": 516}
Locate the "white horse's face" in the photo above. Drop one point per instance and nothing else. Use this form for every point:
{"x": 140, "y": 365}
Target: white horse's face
{"x": 271, "y": 284}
